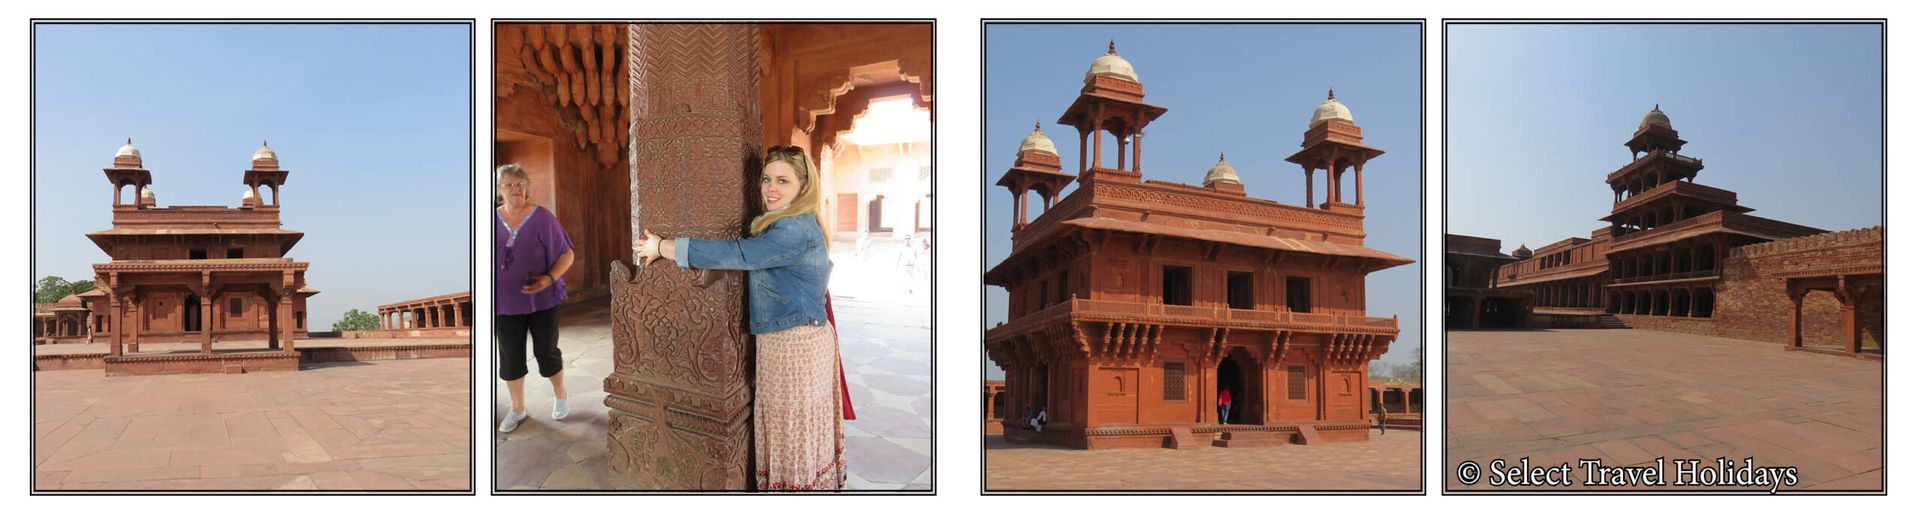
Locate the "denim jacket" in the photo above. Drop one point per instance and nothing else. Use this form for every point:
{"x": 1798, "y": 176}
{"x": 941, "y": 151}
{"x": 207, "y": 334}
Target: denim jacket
{"x": 786, "y": 271}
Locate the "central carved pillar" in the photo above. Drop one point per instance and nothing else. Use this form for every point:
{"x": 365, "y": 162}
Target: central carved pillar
{"x": 679, "y": 394}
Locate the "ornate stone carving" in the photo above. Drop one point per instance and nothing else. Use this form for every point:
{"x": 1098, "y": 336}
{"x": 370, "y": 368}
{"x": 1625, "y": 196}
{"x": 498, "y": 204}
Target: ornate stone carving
{"x": 679, "y": 392}
{"x": 578, "y": 64}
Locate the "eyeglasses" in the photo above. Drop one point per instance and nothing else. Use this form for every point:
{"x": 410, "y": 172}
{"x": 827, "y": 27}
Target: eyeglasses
{"x": 777, "y": 152}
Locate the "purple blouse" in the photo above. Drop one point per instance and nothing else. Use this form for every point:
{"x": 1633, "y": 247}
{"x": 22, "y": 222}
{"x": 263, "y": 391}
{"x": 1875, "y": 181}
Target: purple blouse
{"x": 524, "y": 254}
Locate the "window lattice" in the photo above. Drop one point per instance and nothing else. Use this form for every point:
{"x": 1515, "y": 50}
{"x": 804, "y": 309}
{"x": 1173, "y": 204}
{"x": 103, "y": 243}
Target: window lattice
{"x": 1175, "y": 383}
{"x": 1296, "y": 382}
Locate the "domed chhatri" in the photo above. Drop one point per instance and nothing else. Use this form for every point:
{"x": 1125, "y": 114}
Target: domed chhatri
{"x": 1522, "y": 252}
{"x": 1330, "y": 110}
{"x": 1038, "y": 142}
{"x": 265, "y": 153}
{"x": 247, "y": 195}
{"x": 1655, "y": 117}
{"x": 1221, "y": 171}
{"x": 128, "y": 150}
{"x": 1112, "y": 65}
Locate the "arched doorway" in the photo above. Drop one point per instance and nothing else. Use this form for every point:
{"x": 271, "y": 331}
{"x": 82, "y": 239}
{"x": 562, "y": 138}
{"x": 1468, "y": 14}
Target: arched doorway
{"x": 1239, "y": 375}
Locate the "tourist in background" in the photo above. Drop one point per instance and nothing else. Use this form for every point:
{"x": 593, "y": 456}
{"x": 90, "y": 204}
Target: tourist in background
{"x": 798, "y": 406}
{"x": 906, "y": 259}
{"x": 1226, "y": 403}
{"x": 531, "y": 253}
{"x": 1380, "y": 410}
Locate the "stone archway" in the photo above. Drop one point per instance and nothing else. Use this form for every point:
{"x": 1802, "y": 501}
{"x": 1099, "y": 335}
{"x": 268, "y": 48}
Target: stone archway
{"x": 1240, "y": 374}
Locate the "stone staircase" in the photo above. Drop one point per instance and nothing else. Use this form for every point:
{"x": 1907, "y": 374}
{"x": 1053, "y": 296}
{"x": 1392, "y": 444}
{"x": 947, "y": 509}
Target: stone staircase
{"x": 1609, "y": 321}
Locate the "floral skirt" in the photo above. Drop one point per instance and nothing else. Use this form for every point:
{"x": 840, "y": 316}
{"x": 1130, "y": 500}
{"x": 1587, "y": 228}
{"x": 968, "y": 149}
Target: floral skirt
{"x": 797, "y": 444}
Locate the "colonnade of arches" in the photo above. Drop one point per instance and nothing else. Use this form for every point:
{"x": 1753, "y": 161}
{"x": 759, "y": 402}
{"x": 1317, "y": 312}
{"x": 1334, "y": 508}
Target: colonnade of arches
{"x": 1689, "y": 302}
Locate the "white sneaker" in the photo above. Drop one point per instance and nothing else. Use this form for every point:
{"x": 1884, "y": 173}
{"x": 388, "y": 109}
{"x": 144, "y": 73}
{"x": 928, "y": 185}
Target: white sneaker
{"x": 559, "y": 409}
{"x": 512, "y": 421}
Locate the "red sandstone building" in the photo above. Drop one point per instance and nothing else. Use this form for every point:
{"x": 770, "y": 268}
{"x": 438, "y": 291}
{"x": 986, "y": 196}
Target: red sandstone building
{"x": 1680, "y": 256}
{"x": 1472, "y": 301}
{"x": 1133, "y": 302}
{"x": 197, "y": 274}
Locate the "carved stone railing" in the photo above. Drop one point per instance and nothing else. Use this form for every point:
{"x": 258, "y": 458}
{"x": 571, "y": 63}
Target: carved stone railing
{"x": 1696, "y": 221}
{"x": 1690, "y": 189}
{"x": 1258, "y": 319}
{"x": 1649, "y": 157}
{"x": 1060, "y": 211}
{"x": 1668, "y": 276}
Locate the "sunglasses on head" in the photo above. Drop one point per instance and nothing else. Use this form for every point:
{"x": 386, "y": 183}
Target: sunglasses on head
{"x": 784, "y": 151}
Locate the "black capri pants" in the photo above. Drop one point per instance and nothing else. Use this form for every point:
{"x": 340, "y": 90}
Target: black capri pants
{"x": 513, "y": 330}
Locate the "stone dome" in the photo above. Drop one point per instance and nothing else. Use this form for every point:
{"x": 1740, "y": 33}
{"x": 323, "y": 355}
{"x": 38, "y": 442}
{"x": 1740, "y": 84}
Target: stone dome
{"x": 248, "y": 195}
{"x": 1112, "y": 65}
{"x": 1221, "y": 171}
{"x": 1522, "y": 252}
{"x": 1655, "y": 117}
{"x": 1038, "y": 142}
{"x": 128, "y": 150}
{"x": 146, "y": 193}
{"x": 1330, "y": 110}
{"x": 265, "y": 153}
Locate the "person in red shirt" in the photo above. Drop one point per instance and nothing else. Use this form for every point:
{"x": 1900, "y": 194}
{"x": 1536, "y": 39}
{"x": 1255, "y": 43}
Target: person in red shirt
{"x": 1226, "y": 401}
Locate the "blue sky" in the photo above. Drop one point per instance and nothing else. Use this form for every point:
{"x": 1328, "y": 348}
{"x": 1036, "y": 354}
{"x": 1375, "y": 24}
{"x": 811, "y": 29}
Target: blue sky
{"x": 1787, "y": 116}
{"x": 1245, "y": 90}
{"x": 374, "y": 122}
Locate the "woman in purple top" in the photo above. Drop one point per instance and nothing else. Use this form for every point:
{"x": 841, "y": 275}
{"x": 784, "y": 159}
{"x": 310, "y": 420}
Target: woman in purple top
{"x": 531, "y": 252}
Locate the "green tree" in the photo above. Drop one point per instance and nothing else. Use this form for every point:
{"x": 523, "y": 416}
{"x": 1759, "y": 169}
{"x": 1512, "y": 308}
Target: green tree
{"x": 354, "y": 320}
{"x": 51, "y": 289}
{"x": 44, "y": 291}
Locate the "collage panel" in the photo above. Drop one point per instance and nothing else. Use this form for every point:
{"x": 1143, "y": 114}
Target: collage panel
{"x": 1644, "y": 353}
{"x": 1149, "y": 328}
{"x": 206, "y": 340}
{"x": 713, "y": 242}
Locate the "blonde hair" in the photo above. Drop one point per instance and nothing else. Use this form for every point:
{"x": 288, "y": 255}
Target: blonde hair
{"x": 806, "y": 203}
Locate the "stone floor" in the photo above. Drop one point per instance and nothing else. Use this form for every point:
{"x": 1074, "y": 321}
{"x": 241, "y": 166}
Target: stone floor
{"x": 884, "y": 333}
{"x": 101, "y": 347}
{"x": 1630, "y": 396}
{"x": 384, "y": 425}
{"x": 1385, "y": 462}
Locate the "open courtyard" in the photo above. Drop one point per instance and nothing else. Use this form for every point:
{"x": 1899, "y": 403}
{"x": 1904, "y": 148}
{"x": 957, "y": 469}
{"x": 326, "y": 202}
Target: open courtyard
{"x": 350, "y": 426}
{"x": 1628, "y": 397}
{"x": 1384, "y": 462}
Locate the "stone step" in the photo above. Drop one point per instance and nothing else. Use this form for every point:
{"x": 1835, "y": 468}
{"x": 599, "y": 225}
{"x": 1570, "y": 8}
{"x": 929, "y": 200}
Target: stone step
{"x": 1182, "y": 439}
{"x": 1307, "y": 435}
{"x": 1248, "y": 439}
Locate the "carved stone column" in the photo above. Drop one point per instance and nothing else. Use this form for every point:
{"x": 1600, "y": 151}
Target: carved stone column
{"x": 679, "y": 394}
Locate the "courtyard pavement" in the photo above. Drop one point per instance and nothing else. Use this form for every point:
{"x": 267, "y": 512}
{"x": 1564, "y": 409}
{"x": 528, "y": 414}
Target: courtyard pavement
{"x": 1628, "y": 397}
{"x": 1385, "y": 462}
{"x": 102, "y": 347}
{"x": 381, "y": 425}
{"x": 885, "y": 343}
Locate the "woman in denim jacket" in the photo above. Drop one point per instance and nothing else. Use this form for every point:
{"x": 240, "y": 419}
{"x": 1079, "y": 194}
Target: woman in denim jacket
{"x": 796, "y": 419}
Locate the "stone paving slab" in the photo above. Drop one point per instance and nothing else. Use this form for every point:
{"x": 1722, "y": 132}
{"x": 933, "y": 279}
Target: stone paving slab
{"x": 1384, "y": 462}
{"x": 885, "y": 337}
{"x": 102, "y": 348}
{"x": 1630, "y": 397}
{"x": 387, "y": 425}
